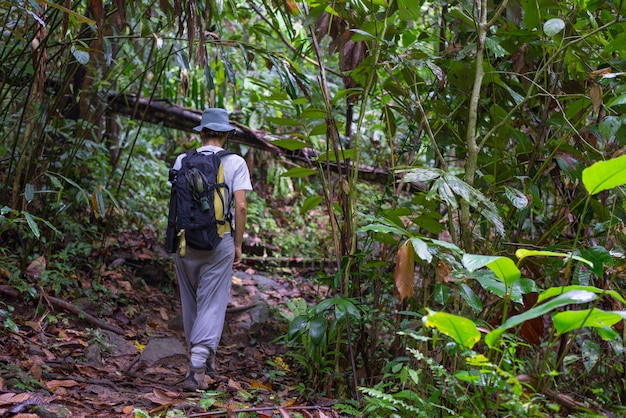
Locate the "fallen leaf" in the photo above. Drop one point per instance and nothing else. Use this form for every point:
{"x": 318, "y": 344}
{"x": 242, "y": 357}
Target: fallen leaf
{"x": 53, "y": 384}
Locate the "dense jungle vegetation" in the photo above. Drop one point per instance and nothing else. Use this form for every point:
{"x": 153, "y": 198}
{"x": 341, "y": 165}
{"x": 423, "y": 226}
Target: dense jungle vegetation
{"x": 459, "y": 166}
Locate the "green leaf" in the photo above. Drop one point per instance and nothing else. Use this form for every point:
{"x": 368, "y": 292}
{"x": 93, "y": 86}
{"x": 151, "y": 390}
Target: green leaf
{"x": 317, "y": 329}
{"x": 299, "y": 172}
{"x": 296, "y": 327}
{"x": 594, "y": 318}
{"x": 389, "y": 229}
{"x": 555, "y": 291}
{"x": 81, "y": 56}
{"x": 605, "y": 175}
{"x": 313, "y": 113}
{"x": 30, "y": 220}
{"x": 310, "y": 203}
{"x": 523, "y": 253}
{"x": 517, "y": 198}
{"x": 290, "y": 144}
{"x": 571, "y": 297}
{"x": 283, "y": 122}
{"x": 616, "y": 101}
{"x": 29, "y": 192}
{"x": 503, "y": 267}
{"x": 421, "y": 249}
{"x": 421, "y": 174}
{"x": 343, "y": 155}
{"x": 553, "y": 26}
{"x": 463, "y": 331}
{"x": 471, "y": 298}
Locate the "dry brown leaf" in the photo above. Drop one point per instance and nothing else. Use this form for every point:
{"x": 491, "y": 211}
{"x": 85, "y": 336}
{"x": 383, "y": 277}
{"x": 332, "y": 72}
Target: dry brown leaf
{"x": 161, "y": 397}
{"x": 35, "y": 267}
{"x": 255, "y": 384}
{"x": 596, "y": 96}
{"x": 405, "y": 270}
{"x": 442, "y": 272}
{"x": 53, "y": 384}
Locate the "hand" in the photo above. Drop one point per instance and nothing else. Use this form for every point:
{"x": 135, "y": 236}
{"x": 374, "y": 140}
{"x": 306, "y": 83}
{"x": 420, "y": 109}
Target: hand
{"x": 238, "y": 256}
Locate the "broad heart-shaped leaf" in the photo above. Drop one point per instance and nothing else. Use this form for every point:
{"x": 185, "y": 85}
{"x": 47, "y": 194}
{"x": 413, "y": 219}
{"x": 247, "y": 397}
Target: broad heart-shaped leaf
{"x": 605, "y": 175}
{"x": 463, "y": 331}
{"x": 571, "y": 297}
{"x": 595, "y": 318}
{"x": 504, "y": 268}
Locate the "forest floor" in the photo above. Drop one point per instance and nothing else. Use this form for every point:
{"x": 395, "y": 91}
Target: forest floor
{"x": 75, "y": 358}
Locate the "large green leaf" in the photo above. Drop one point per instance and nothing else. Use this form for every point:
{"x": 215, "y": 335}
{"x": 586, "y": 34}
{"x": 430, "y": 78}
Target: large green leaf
{"x": 317, "y": 329}
{"x": 503, "y": 267}
{"x": 555, "y": 291}
{"x": 605, "y": 175}
{"x": 462, "y": 330}
{"x": 569, "y": 298}
{"x": 595, "y": 318}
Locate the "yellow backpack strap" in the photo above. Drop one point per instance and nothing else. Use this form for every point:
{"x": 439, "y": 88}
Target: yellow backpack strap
{"x": 221, "y": 203}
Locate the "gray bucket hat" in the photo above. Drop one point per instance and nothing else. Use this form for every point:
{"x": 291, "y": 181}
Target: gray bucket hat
{"x": 215, "y": 119}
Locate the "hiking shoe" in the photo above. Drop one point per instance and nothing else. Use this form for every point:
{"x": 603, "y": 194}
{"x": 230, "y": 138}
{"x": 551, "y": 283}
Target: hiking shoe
{"x": 194, "y": 380}
{"x": 210, "y": 365}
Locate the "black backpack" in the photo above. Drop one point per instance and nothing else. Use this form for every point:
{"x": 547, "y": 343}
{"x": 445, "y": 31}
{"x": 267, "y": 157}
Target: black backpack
{"x": 200, "y": 203}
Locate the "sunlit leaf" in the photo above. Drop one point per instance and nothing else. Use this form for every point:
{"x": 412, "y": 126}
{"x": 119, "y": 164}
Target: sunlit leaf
{"x": 569, "y": 298}
{"x": 605, "y": 175}
{"x": 462, "y": 330}
{"x": 523, "y": 253}
{"x": 594, "y": 318}
{"x": 503, "y": 267}
{"x": 555, "y": 291}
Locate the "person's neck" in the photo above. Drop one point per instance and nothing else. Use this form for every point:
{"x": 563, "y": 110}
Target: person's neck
{"x": 213, "y": 142}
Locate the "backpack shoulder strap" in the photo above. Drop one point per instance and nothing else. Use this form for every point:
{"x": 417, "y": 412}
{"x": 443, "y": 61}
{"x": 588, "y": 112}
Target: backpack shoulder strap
{"x": 223, "y": 153}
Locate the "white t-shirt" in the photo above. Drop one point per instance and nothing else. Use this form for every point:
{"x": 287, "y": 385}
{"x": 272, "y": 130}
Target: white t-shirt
{"x": 236, "y": 173}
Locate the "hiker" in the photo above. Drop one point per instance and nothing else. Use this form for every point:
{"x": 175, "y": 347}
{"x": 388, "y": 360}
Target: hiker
{"x": 204, "y": 276}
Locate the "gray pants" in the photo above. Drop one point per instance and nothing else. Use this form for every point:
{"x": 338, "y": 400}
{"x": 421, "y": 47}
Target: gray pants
{"x": 204, "y": 279}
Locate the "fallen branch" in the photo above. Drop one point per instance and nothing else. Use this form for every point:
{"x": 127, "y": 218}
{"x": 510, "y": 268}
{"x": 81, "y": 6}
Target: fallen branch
{"x": 59, "y": 303}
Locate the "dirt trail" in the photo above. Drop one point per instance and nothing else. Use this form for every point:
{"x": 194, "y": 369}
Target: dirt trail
{"x": 75, "y": 369}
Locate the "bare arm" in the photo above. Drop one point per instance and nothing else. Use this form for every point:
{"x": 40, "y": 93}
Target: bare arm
{"x": 241, "y": 212}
